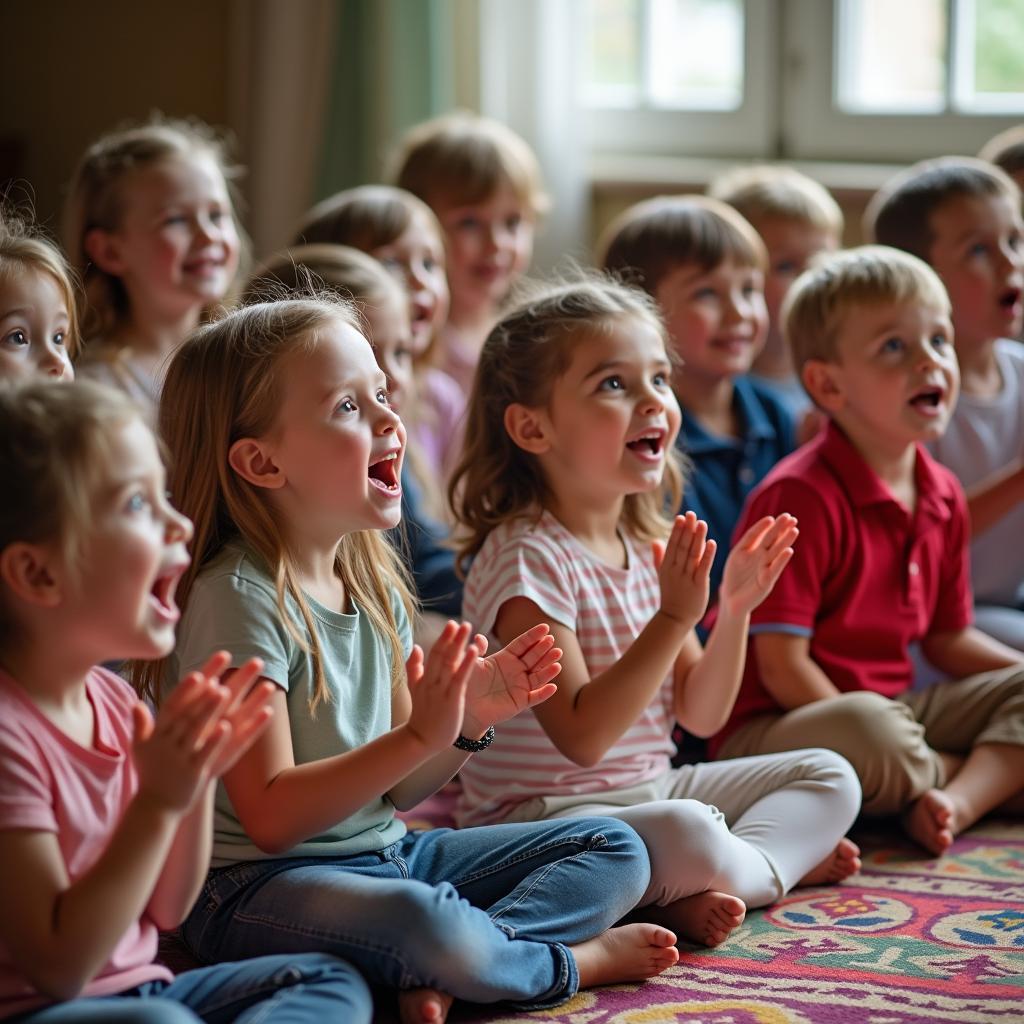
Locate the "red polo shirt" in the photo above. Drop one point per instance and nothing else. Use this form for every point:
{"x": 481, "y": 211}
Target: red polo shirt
{"x": 867, "y": 578}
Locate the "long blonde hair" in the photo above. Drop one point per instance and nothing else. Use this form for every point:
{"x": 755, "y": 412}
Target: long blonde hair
{"x": 523, "y": 356}
{"x": 223, "y": 384}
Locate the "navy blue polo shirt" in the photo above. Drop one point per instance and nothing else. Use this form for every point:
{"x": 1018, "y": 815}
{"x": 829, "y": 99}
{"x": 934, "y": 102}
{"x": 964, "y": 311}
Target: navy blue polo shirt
{"x": 726, "y": 469}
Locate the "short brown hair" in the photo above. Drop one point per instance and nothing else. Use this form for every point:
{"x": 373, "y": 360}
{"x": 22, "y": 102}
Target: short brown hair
{"x": 1006, "y": 150}
{"x": 463, "y": 158}
{"x": 900, "y": 213}
{"x": 650, "y": 239}
{"x": 823, "y": 296}
{"x": 771, "y": 192}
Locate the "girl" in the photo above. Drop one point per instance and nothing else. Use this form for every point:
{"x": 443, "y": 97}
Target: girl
{"x": 483, "y": 182}
{"x": 561, "y": 492}
{"x": 38, "y": 326}
{"x": 105, "y": 814}
{"x": 285, "y": 449}
{"x": 383, "y": 306}
{"x": 150, "y": 227}
{"x": 402, "y": 233}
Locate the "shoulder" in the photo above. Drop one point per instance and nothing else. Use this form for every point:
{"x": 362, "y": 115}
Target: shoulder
{"x": 764, "y": 400}
{"x": 235, "y": 570}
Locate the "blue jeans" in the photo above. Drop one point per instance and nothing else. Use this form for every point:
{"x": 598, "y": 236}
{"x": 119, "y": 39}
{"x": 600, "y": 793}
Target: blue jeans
{"x": 481, "y": 913}
{"x": 308, "y": 989}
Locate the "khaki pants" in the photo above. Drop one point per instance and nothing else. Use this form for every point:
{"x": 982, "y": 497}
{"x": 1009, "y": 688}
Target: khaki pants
{"x": 893, "y": 744}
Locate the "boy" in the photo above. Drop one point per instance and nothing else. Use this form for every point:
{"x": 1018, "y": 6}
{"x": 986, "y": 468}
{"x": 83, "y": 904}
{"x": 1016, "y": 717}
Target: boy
{"x": 962, "y": 217}
{"x": 881, "y": 563}
{"x": 483, "y": 182}
{"x": 705, "y": 265}
{"x": 797, "y": 219}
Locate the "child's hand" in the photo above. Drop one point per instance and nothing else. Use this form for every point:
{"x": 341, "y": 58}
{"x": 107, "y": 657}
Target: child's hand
{"x": 516, "y": 678}
{"x": 248, "y": 711}
{"x": 438, "y": 688}
{"x": 756, "y": 562}
{"x": 684, "y": 570}
{"x": 191, "y": 739}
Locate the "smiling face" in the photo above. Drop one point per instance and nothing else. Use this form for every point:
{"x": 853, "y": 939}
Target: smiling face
{"x": 896, "y": 379}
{"x": 133, "y": 555}
{"x": 337, "y": 443}
{"x": 34, "y": 324}
{"x": 977, "y": 250}
{"x": 416, "y": 258}
{"x": 176, "y": 246}
{"x": 716, "y": 319}
{"x": 612, "y": 417}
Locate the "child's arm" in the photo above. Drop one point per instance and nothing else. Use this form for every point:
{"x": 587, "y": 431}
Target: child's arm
{"x": 965, "y": 652}
{"x": 789, "y": 673}
{"x": 59, "y": 934}
{"x": 586, "y": 717}
{"x": 281, "y": 804}
{"x": 707, "y": 681}
{"x": 990, "y": 500}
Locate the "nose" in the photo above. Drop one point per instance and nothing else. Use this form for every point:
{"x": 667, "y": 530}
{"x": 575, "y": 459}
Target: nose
{"x": 179, "y": 527}
{"x": 652, "y": 401}
{"x": 54, "y": 362}
{"x": 387, "y": 420}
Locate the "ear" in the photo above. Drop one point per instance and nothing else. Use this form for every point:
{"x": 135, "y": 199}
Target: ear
{"x": 103, "y": 249}
{"x": 250, "y": 459}
{"x": 30, "y": 573}
{"x": 528, "y": 428}
{"x": 823, "y": 383}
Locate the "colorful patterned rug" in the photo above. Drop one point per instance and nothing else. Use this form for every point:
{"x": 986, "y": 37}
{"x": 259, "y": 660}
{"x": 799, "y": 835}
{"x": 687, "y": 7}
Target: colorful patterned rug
{"x": 907, "y": 940}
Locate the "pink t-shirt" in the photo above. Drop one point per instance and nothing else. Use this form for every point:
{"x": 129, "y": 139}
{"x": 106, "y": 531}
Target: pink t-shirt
{"x": 606, "y": 608}
{"x": 48, "y": 783}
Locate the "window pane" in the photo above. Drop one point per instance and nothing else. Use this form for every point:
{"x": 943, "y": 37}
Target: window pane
{"x": 991, "y": 75}
{"x": 891, "y": 56}
{"x": 612, "y": 62}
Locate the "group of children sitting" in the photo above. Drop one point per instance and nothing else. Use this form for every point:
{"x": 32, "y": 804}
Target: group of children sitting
{"x": 222, "y": 541}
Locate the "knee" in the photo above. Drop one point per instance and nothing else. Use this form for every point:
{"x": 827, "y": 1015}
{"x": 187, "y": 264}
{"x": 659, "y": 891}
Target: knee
{"x": 623, "y": 852}
{"x": 686, "y": 832}
{"x": 830, "y": 770}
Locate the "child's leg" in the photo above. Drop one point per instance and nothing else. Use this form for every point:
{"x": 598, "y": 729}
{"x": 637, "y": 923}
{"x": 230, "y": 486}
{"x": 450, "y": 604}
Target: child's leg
{"x": 766, "y": 802}
{"x": 127, "y": 1009}
{"x": 310, "y": 987}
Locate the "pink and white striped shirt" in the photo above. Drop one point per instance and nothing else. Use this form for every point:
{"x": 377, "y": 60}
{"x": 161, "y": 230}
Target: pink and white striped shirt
{"x": 606, "y": 608}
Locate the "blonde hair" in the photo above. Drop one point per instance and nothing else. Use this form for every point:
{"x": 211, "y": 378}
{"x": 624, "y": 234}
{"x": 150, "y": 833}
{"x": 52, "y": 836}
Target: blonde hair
{"x": 900, "y": 213}
{"x": 654, "y": 237}
{"x": 523, "y": 356}
{"x": 823, "y": 296}
{"x": 223, "y": 384}
{"x": 463, "y": 158}
{"x": 23, "y": 247}
{"x": 52, "y": 438}
{"x": 770, "y": 192}
{"x": 96, "y": 200}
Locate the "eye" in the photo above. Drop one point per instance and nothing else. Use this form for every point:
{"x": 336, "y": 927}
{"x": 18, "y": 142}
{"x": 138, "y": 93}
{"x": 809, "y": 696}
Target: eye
{"x": 892, "y": 345}
{"x": 468, "y": 222}
{"x": 346, "y": 405}
{"x": 216, "y": 215}
{"x": 58, "y": 339}
{"x": 137, "y": 502}
{"x": 978, "y": 249}
{"x": 429, "y": 264}
{"x": 513, "y": 222}
{"x": 392, "y": 263}
{"x": 175, "y": 218}
{"x": 660, "y": 380}
{"x": 1014, "y": 241}
{"x": 787, "y": 268}
{"x": 705, "y": 292}
{"x": 16, "y": 338}
{"x": 382, "y": 396}
{"x": 611, "y": 384}
{"x": 939, "y": 341}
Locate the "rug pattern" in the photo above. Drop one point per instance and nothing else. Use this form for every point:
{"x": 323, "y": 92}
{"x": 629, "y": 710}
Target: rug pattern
{"x": 907, "y": 940}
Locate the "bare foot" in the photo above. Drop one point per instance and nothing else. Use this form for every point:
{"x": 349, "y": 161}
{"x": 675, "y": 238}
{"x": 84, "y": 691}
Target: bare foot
{"x": 631, "y": 952}
{"x": 423, "y": 1006}
{"x": 842, "y": 862}
{"x": 706, "y": 919}
{"x": 930, "y": 821}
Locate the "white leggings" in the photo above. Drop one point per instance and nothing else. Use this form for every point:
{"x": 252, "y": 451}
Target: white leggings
{"x": 751, "y": 827}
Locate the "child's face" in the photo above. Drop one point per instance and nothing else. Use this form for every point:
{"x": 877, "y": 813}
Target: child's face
{"x": 416, "y": 258}
{"x": 34, "y": 325}
{"x": 791, "y": 245}
{"x": 391, "y": 337}
{"x": 716, "y": 318}
{"x": 978, "y": 252}
{"x": 612, "y": 418}
{"x": 176, "y": 248}
{"x": 896, "y": 380}
{"x": 489, "y": 247}
{"x": 133, "y": 556}
{"x": 337, "y": 442}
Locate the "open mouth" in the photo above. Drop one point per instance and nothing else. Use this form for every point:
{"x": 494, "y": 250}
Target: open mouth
{"x": 649, "y": 445}
{"x": 383, "y": 473}
{"x": 161, "y": 594}
{"x": 1010, "y": 300}
{"x": 928, "y": 400}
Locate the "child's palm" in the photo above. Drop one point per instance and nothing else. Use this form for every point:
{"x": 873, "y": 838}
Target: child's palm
{"x": 684, "y": 570}
{"x": 437, "y": 689}
{"x": 756, "y": 562}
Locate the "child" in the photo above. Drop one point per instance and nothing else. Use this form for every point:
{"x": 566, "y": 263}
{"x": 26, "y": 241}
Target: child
{"x": 483, "y": 182}
{"x": 962, "y": 217}
{"x": 38, "y": 326}
{"x": 401, "y": 232}
{"x": 881, "y": 564}
{"x": 1006, "y": 151}
{"x": 382, "y": 303}
{"x": 285, "y": 448}
{"x": 704, "y": 265}
{"x": 797, "y": 219}
{"x": 561, "y": 490}
{"x": 150, "y": 227}
{"x": 105, "y": 814}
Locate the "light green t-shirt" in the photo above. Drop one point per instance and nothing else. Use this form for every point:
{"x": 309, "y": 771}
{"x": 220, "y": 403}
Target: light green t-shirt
{"x": 233, "y": 607}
